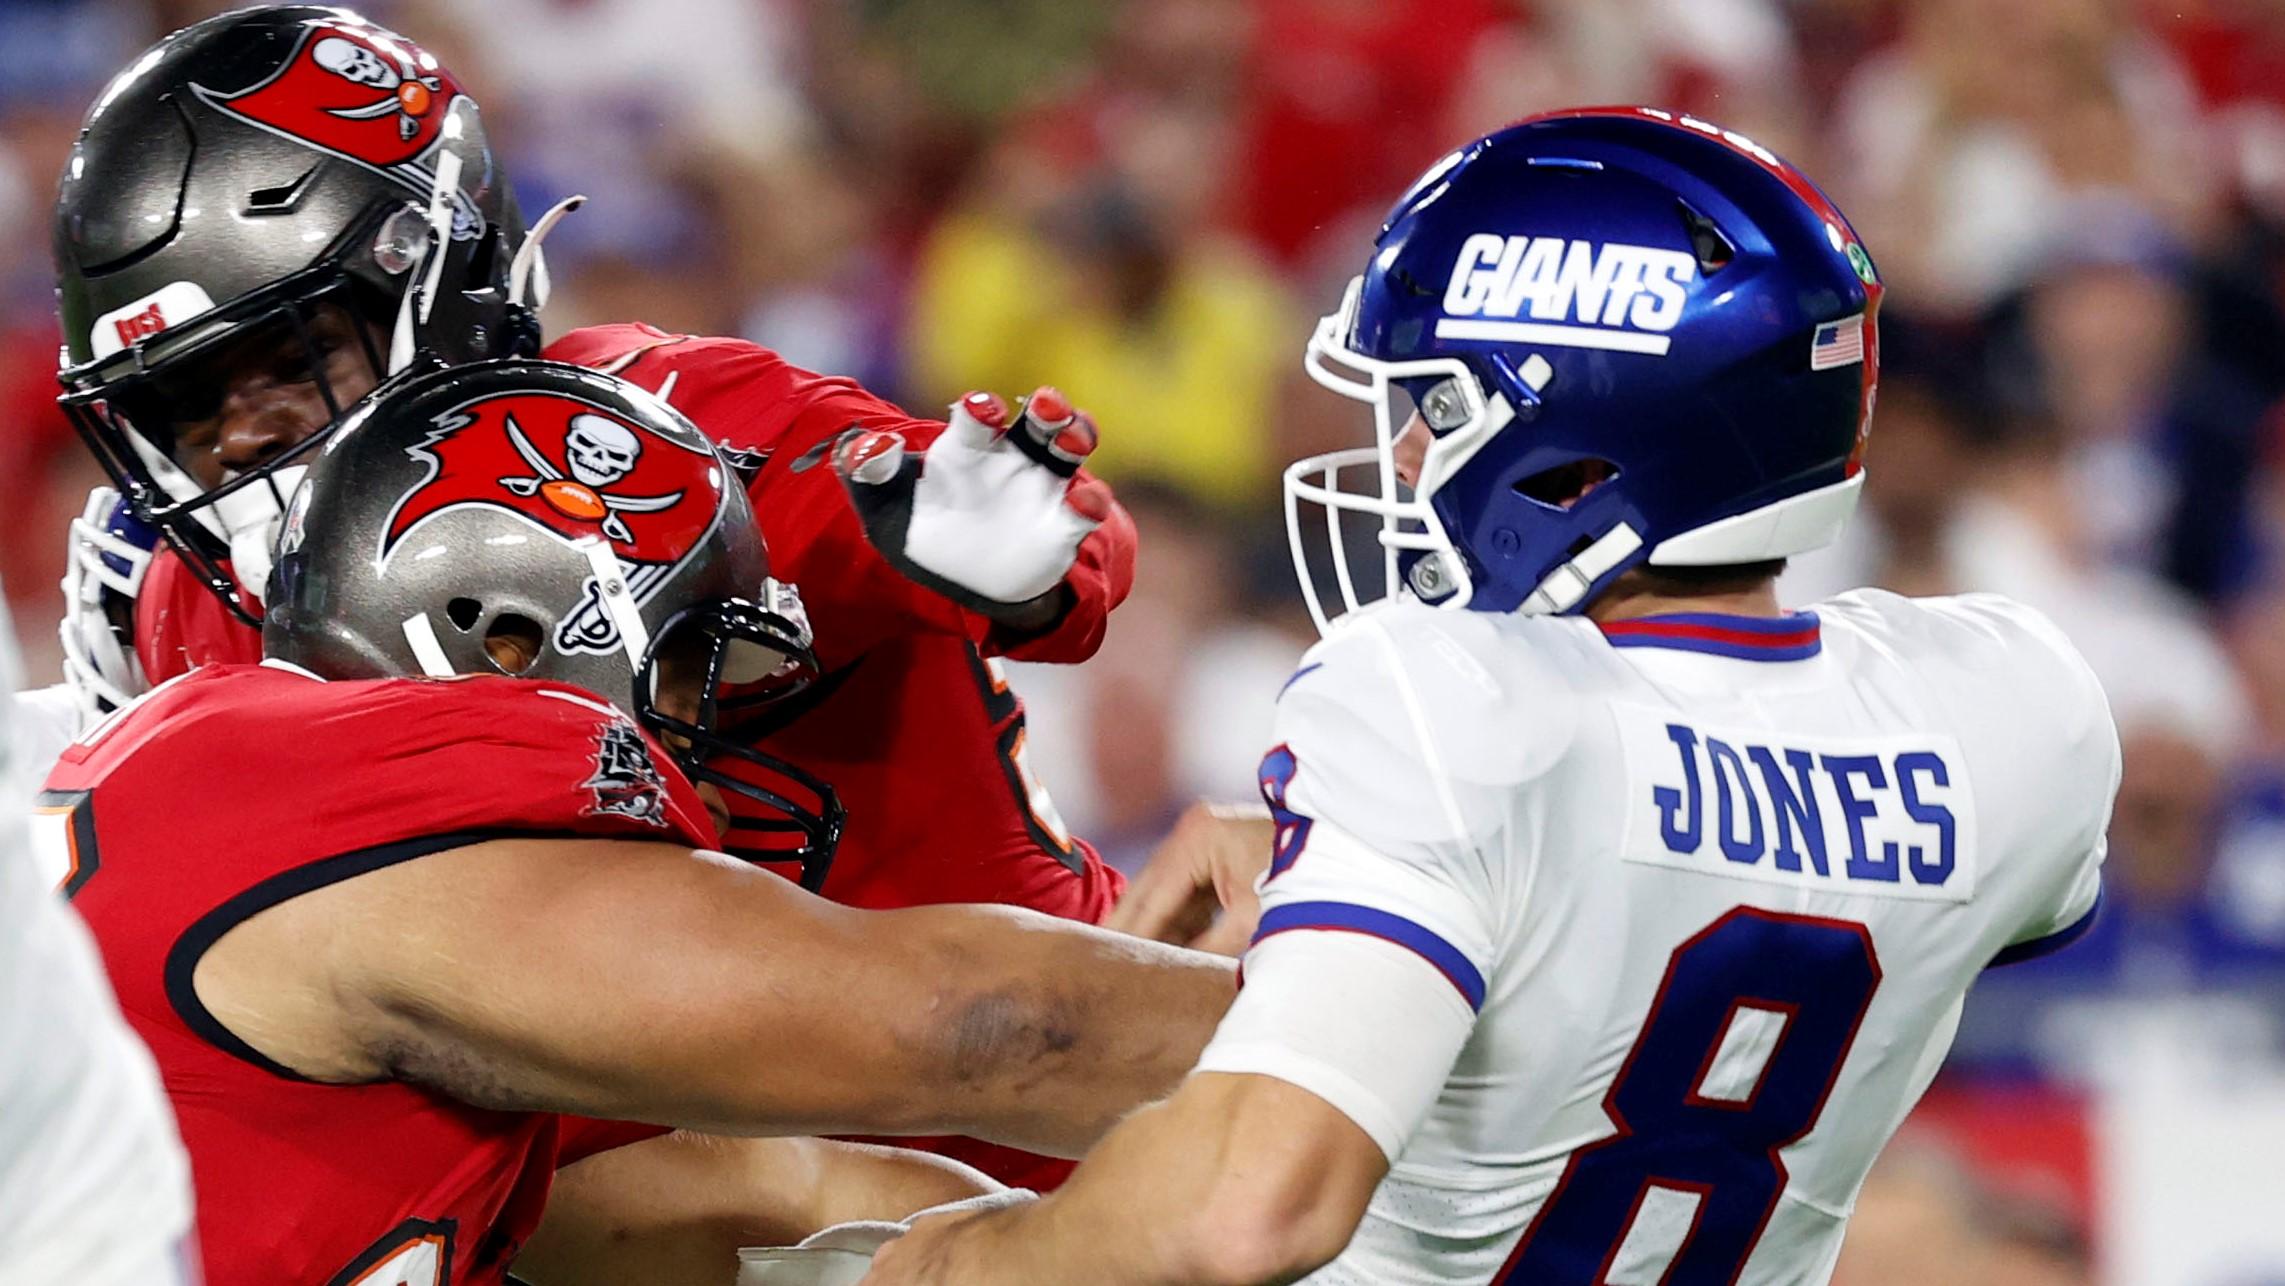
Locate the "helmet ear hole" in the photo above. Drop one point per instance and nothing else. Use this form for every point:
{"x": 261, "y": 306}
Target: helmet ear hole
{"x": 1714, "y": 250}
{"x": 284, "y": 198}
{"x": 1567, "y": 484}
{"x": 463, "y": 613}
{"x": 512, "y": 642}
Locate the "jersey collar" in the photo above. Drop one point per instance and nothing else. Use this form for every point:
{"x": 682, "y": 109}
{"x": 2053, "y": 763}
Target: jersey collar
{"x": 1791, "y": 637}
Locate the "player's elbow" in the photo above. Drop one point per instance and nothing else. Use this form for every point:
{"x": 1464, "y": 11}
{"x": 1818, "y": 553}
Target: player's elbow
{"x": 1265, "y": 1236}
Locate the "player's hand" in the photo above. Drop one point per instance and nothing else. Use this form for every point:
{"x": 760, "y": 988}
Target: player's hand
{"x": 991, "y": 514}
{"x": 1198, "y": 889}
{"x": 929, "y": 1252}
{"x": 105, "y": 556}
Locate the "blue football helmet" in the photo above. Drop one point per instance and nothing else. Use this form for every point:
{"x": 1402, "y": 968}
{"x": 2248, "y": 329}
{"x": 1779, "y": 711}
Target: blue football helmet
{"x": 1634, "y": 337}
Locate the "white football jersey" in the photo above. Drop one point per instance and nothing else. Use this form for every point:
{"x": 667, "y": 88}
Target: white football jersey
{"x": 94, "y": 1185}
{"x": 1685, "y": 908}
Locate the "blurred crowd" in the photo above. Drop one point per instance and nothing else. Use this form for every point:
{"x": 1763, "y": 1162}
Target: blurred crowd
{"x": 2077, "y": 205}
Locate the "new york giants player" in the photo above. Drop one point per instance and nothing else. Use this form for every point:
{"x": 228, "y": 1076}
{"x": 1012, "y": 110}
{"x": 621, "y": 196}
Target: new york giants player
{"x": 94, "y": 1186}
{"x": 1617, "y": 916}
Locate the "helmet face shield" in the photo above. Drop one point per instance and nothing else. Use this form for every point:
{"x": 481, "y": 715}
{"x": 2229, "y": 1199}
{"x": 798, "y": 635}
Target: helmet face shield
{"x": 1334, "y": 498}
{"x": 253, "y": 189}
{"x": 713, "y": 667}
{"x": 141, "y": 411}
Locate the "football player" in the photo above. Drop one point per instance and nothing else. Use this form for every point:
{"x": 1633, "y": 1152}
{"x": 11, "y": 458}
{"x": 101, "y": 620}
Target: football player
{"x": 381, "y": 932}
{"x": 1617, "y": 915}
{"x": 272, "y": 210}
{"x": 94, "y": 1186}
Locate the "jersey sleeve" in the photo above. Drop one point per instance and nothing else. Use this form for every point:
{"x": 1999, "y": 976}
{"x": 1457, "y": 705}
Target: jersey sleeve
{"x": 749, "y": 399}
{"x": 2068, "y": 896}
{"x": 41, "y": 723}
{"x": 1380, "y": 922}
{"x": 552, "y": 759}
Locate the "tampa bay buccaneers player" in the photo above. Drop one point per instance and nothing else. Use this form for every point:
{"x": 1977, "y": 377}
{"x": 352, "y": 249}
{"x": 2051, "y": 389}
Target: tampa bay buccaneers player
{"x": 273, "y": 210}
{"x": 381, "y": 931}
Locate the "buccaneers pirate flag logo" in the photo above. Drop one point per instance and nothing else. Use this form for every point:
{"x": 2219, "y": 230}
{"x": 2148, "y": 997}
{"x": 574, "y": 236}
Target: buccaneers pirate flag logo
{"x": 358, "y": 92}
{"x": 575, "y": 471}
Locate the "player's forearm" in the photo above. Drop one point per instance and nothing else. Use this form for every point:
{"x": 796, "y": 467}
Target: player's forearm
{"x": 987, "y": 1021}
{"x": 694, "y": 991}
{"x": 1178, "y": 1195}
{"x": 1228, "y": 1195}
{"x": 1044, "y": 1033}
{"x": 1135, "y": 1216}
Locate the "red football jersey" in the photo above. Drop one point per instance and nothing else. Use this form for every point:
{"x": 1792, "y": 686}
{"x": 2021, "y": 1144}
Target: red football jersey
{"x": 910, "y": 722}
{"x": 237, "y": 788}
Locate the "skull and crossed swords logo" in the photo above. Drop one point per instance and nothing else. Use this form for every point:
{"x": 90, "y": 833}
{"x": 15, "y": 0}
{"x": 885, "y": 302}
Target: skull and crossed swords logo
{"x": 600, "y": 453}
{"x": 410, "y": 95}
{"x": 557, "y": 461}
{"x": 357, "y": 91}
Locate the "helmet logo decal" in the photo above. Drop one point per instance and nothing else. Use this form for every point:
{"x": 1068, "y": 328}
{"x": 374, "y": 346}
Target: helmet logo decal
{"x": 357, "y": 92}
{"x": 169, "y": 305}
{"x": 600, "y": 452}
{"x": 571, "y": 470}
{"x": 407, "y": 96}
{"x": 1837, "y": 343}
{"x": 1577, "y": 294}
{"x": 141, "y": 325}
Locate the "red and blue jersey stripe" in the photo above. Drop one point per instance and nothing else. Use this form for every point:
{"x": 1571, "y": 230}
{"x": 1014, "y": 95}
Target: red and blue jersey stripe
{"x": 1348, "y": 917}
{"x": 1791, "y": 637}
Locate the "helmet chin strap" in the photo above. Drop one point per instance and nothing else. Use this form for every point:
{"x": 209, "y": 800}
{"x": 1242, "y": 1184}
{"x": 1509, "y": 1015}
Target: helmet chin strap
{"x": 617, "y": 600}
{"x": 1562, "y": 589}
{"x": 420, "y": 636}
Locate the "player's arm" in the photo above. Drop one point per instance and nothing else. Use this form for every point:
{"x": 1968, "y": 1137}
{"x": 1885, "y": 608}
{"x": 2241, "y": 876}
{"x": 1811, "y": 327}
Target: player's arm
{"x": 1236, "y": 1180}
{"x": 639, "y": 981}
{"x": 676, "y": 1209}
{"x": 1260, "y": 1167}
{"x": 2077, "y": 729}
{"x": 1362, "y": 986}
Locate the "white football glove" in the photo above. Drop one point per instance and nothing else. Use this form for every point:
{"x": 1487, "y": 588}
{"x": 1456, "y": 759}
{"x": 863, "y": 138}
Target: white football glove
{"x": 992, "y": 513}
{"x": 106, "y": 555}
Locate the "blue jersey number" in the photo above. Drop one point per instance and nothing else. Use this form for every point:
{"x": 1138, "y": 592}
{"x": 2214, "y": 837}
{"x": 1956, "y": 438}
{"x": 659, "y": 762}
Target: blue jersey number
{"x": 1742, "y": 1046}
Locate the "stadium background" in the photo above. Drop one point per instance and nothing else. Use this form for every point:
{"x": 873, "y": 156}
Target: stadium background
{"x": 2077, "y": 205}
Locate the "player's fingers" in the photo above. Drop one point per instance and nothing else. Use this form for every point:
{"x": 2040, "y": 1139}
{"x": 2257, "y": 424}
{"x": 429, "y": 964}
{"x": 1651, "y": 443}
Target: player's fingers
{"x": 978, "y": 418}
{"x": 1162, "y": 910}
{"x": 871, "y": 458}
{"x": 1068, "y": 434}
{"x": 1076, "y": 440}
{"x": 1048, "y": 411}
{"x": 1090, "y": 498}
{"x": 1169, "y": 900}
{"x": 1229, "y": 935}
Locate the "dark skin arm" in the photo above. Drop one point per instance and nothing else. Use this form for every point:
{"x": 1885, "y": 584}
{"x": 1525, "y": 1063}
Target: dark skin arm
{"x": 646, "y": 982}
